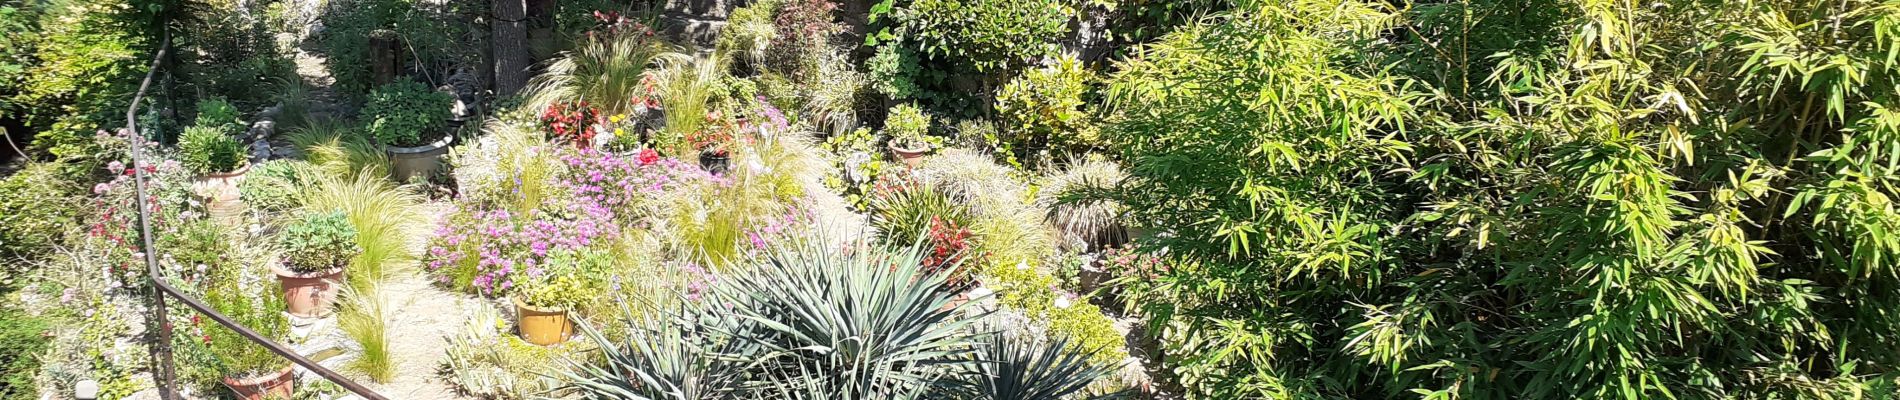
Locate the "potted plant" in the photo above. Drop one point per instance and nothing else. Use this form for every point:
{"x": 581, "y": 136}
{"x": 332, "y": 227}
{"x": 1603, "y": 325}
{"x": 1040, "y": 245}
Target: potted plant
{"x": 907, "y": 127}
{"x": 249, "y": 370}
{"x": 543, "y": 304}
{"x": 218, "y": 163}
{"x": 316, "y": 248}
{"x": 410, "y": 120}
{"x": 714, "y": 143}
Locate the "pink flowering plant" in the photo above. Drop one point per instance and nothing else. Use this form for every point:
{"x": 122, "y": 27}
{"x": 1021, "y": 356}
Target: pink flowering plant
{"x": 489, "y": 250}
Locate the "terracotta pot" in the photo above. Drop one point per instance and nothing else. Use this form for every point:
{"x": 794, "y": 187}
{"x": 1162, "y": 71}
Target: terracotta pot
{"x": 423, "y": 161}
{"x": 274, "y": 385}
{"x": 311, "y": 295}
{"x": 542, "y": 326}
{"x": 911, "y": 157}
{"x": 220, "y": 191}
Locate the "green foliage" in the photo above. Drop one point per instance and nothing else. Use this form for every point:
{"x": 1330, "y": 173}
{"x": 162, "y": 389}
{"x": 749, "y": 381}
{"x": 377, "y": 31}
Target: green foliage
{"x": 1588, "y": 199}
{"x": 388, "y": 220}
{"x": 908, "y": 126}
{"x": 811, "y": 321}
{"x": 407, "y": 113}
{"x": 16, "y": 51}
{"x": 256, "y": 306}
{"x": 318, "y": 241}
{"x": 901, "y": 210}
{"x": 608, "y": 73}
{"x": 893, "y": 71}
{"x": 363, "y": 317}
{"x": 91, "y": 56}
{"x": 39, "y": 201}
{"x": 429, "y": 35}
{"x": 1046, "y": 111}
{"x": 209, "y": 149}
{"x": 688, "y": 86}
{"x": 22, "y": 342}
{"x": 274, "y": 186}
{"x": 219, "y": 114}
{"x": 987, "y": 34}
{"x": 571, "y": 279}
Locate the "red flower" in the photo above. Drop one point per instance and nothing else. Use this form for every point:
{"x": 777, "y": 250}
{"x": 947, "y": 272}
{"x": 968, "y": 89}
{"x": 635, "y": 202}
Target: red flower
{"x": 648, "y": 156}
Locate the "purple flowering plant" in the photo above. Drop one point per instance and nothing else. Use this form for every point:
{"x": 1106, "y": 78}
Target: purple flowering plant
{"x": 487, "y": 249}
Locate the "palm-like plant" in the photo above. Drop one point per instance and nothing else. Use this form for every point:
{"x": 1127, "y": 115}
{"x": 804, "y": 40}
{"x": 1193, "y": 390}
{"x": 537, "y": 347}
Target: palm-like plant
{"x": 1018, "y": 370}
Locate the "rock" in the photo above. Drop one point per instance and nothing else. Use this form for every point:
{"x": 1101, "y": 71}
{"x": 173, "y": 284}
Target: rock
{"x": 89, "y": 389}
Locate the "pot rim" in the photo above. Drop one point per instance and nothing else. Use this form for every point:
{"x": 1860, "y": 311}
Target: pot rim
{"x": 432, "y": 146}
{"x": 287, "y": 273}
{"x": 523, "y": 304}
{"x": 232, "y": 174}
{"x": 907, "y": 152}
{"x": 259, "y": 378}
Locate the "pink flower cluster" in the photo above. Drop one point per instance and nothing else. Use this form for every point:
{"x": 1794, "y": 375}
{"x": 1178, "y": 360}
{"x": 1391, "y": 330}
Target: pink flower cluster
{"x": 493, "y": 247}
{"x": 620, "y": 184}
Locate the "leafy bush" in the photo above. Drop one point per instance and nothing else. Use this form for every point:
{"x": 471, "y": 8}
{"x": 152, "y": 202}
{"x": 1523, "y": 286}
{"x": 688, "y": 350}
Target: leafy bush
{"x": 39, "y": 202}
{"x": 407, "y": 114}
{"x": 255, "y": 306}
{"x": 22, "y": 341}
{"x": 804, "y": 31}
{"x": 908, "y": 127}
{"x": 1046, "y": 110}
{"x": 318, "y": 241}
{"x": 893, "y": 71}
{"x": 987, "y": 34}
{"x": 811, "y": 321}
{"x": 209, "y": 149}
{"x": 91, "y": 56}
{"x": 1555, "y": 202}
{"x": 428, "y": 35}
{"x": 219, "y": 114}
{"x": 1077, "y": 207}
{"x": 275, "y": 185}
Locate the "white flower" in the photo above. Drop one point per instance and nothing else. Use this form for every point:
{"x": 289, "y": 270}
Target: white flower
{"x": 1062, "y": 302}
{"x": 1022, "y": 265}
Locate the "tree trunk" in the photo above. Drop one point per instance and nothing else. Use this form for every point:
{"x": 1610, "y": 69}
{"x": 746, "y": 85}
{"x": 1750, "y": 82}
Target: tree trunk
{"x": 385, "y": 56}
{"x": 511, "y": 46}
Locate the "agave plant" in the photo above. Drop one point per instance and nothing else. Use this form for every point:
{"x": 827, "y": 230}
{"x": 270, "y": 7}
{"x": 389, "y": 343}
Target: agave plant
{"x": 808, "y": 321}
{"x": 1020, "y": 370}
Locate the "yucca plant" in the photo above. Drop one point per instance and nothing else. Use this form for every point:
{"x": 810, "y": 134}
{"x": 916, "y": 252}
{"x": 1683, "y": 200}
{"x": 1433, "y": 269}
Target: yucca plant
{"x": 810, "y": 321}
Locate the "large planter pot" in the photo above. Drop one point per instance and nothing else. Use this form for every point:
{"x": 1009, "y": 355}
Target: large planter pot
{"x": 220, "y": 191}
{"x": 311, "y": 295}
{"x": 542, "y": 326}
{"x": 408, "y": 162}
{"x": 911, "y": 157}
{"x": 715, "y": 163}
{"x": 273, "y": 385}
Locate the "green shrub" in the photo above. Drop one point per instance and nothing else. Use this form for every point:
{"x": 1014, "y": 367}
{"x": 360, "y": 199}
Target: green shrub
{"x": 91, "y": 56}
{"x": 893, "y": 71}
{"x": 207, "y": 149}
{"x": 40, "y": 206}
{"x": 608, "y": 73}
{"x": 17, "y": 27}
{"x": 273, "y": 186}
{"x": 318, "y": 241}
{"x": 908, "y": 127}
{"x": 22, "y": 342}
{"x": 407, "y": 114}
{"x": 219, "y": 114}
{"x": 259, "y": 307}
{"x": 1046, "y": 110}
{"x": 430, "y": 36}
{"x": 986, "y": 34}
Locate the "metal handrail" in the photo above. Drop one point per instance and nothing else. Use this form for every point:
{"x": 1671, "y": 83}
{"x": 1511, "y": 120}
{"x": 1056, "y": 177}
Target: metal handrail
{"x": 162, "y": 373}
